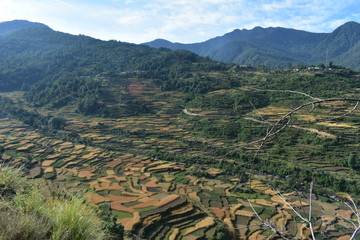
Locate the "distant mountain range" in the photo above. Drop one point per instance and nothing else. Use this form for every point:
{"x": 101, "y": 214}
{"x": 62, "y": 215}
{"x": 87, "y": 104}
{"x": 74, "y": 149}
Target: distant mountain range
{"x": 279, "y": 47}
{"x": 274, "y": 47}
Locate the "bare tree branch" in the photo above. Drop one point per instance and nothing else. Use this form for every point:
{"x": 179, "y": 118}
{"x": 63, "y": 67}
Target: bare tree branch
{"x": 277, "y": 127}
{"x": 355, "y": 210}
{"x": 307, "y": 220}
{"x": 255, "y": 109}
{"x": 286, "y": 91}
{"x": 267, "y": 224}
{"x": 337, "y": 117}
{"x": 278, "y": 123}
{"x": 310, "y": 200}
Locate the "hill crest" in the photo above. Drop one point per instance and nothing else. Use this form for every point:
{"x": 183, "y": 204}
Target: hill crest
{"x": 15, "y": 25}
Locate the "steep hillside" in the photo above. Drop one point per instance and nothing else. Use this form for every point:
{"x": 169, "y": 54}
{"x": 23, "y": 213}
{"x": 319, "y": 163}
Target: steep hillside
{"x": 277, "y": 47}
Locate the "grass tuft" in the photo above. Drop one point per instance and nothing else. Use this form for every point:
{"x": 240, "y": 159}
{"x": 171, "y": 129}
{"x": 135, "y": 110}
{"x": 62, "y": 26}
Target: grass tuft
{"x": 11, "y": 179}
{"x": 25, "y": 213}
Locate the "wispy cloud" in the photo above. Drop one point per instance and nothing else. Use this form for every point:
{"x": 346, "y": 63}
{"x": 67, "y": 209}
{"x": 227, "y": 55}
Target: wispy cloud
{"x": 178, "y": 20}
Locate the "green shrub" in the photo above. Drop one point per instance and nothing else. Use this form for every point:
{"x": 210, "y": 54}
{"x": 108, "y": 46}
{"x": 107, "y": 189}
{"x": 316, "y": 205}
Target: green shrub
{"x": 17, "y": 225}
{"x": 26, "y": 213}
{"x": 74, "y": 219}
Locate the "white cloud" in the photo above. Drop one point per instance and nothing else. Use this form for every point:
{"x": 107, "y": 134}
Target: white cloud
{"x": 279, "y": 5}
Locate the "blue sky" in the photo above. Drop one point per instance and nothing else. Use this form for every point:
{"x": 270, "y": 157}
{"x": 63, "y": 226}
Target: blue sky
{"x": 186, "y": 21}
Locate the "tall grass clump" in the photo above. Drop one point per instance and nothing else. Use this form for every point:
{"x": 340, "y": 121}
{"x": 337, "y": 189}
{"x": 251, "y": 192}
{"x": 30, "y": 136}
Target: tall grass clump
{"x": 74, "y": 219}
{"x": 11, "y": 180}
{"x": 15, "y": 225}
{"x": 25, "y": 213}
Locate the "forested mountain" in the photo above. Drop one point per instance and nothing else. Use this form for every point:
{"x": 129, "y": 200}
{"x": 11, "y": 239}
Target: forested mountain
{"x": 12, "y": 26}
{"x": 58, "y": 68}
{"x": 279, "y": 47}
{"x": 31, "y": 54}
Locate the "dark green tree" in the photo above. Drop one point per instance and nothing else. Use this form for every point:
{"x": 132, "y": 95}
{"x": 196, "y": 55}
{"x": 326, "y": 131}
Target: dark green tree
{"x": 56, "y": 123}
{"x": 354, "y": 161}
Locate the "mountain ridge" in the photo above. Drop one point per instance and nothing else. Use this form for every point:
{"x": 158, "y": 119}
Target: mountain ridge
{"x": 298, "y": 46}
{"x": 46, "y": 55}
{"x": 9, "y": 27}
{"x": 273, "y": 47}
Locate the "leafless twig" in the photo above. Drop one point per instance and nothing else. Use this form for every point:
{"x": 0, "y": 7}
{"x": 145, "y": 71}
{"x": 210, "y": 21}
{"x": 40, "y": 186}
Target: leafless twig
{"x": 286, "y": 91}
{"x": 268, "y": 224}
{"x": 355, "y": 210}
{"x": 272, "y": 131}
{"x": 306, "y": 220}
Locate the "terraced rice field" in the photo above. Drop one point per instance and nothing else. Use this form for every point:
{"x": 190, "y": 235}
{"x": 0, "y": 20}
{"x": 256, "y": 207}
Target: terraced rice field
{"x": 158, "y": 199}
{"x": 141, "y": 192}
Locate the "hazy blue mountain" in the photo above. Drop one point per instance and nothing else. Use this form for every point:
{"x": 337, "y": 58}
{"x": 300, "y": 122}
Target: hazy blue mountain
{"x": 13, "y": 26}
{"x": 278, "y": 47}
